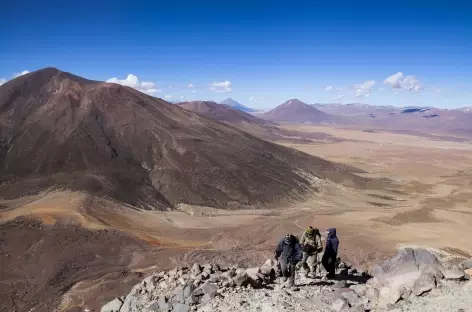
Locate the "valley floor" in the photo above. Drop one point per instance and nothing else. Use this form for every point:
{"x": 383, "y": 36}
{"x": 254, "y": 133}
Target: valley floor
{"x": 429, "y": 203}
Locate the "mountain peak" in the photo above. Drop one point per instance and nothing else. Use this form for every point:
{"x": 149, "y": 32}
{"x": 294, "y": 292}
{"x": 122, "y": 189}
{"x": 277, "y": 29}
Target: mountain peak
{"x": 236, "y": 105}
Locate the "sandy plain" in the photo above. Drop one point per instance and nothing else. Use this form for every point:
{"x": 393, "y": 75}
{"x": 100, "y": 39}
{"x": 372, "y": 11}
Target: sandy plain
{"x": 428, "y": 203}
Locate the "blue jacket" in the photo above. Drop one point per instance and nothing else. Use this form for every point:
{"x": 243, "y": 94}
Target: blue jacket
{"x": 290, "y": 252}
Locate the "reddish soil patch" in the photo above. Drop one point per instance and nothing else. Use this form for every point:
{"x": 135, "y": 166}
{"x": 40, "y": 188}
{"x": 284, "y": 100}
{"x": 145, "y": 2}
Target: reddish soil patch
{"x": 39, "y": 263}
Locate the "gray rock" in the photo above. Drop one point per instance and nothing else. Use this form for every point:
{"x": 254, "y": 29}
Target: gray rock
{"x": 112, "y": 306}
{"x": 373, "y": 283}
{"x": 172, "y": 273}
{"x": 405, "y": 266}
{"x": 215, "y": 277}
{"x": 239, "y": 270}
{"x": 388, "y": 296}
{"x": 132, "y": 302}
{"x": 358, "y": 308}
{"x": 340, "y": 284}
{"x": 359, "y": 289}
{"x": 453, "y": 273}
{"x": 372, "y": 294}
{"x": 241, "y": 279}
{"x": 340, "y": 305}
{"x": 206, "y": 288}
{"x": 208, "y": 268}
{"x": 205, "y": 275}
{"x": 433, "y": 270}
{"x": 228, "y": 274}
{"x": 255, "y": 277}
{"x": 350, "y": 296}
{"x": 196, "y": 269}
{"x": 424, "y": 283}
{"x": 467, "y": 264}
{"x": 179, "y": 307}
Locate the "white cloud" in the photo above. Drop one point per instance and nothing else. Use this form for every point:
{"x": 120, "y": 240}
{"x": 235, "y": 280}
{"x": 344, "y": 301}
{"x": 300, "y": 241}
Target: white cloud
{"x": 255, "y": 98}
{"x": 329, "y": 88}
{"x": 400, "y": 82}
{"x": 338, "y": 98}
{"x": 191, "y": 85}
{"x": 194, "y": 91}
{"x": 364, "y": 89}
{"x": 223, "y": 87}
{"x": 133, "y": 81}
{"x": 167, "y": 96}
{"x": 16, "y": 75}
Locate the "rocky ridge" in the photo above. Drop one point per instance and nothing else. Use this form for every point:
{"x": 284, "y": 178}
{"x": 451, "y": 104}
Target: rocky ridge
{"x": 413, "y": 280}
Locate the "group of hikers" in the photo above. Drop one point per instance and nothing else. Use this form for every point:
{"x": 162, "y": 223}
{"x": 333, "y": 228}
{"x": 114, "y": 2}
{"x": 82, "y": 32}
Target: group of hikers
{"x": 292, "y": 253}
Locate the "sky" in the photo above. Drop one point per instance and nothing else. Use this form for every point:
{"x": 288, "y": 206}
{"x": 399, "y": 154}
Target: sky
{"x": 260, "y": 53}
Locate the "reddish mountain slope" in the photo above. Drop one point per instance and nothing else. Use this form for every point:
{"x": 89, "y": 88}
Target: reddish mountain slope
{"x": 57, "y": 129}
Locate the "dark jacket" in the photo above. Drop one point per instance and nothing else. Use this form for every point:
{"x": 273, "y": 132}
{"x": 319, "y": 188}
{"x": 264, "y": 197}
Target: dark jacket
{"x": 289, "y": 251}
{"x": 332, "y": 243}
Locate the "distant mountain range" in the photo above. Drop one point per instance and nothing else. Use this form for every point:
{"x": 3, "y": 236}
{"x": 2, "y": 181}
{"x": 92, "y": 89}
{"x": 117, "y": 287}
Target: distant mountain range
{"x": 221, "y": 112}
{"x": 236, "y": 105}
{"x": 296, "y": 111}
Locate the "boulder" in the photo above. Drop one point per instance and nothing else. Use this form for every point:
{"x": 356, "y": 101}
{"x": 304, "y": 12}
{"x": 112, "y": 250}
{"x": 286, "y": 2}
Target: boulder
{"x": 357, "y": 308}
{"x": 205, "y": 275}
{"x": 268, "y": 268}
{"x": 359, "y": 289}
{"x": 179, "y": 307}
{"x": 196, "y": 269}
{"x": 228, "y": 274}
{"x": 433, "y": 270}
{"x": 340, "y": 284}
{"x": 424, "y": 283}
{"x": 340, "y": 305}
{"x": 160, "y": 305}
{"x": 206, "y": 288}
{"x": 132, "y": 302}
{"x": 241, "y": 279}
{"x": 468, "y": 272}
{"x": 388, "y": 296}
{"x": 466, "y": 265}
{"x": 112, "y": 306}
{"x": 372, "y": 294}
{"x": 373, "y": 283}
{"x": 453, "y": 273}
{"x": 215, "y": 277}
{"x": 208, "y": 268}
{"x": 405, "y": 267}
{"x": 351, "y": 296}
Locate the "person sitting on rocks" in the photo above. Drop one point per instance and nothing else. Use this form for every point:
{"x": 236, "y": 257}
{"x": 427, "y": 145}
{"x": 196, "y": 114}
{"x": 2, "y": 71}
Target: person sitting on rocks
{"x": 288, "y": 254}
{"x": 311, "y": 246}
{"x": 331, "y": 253}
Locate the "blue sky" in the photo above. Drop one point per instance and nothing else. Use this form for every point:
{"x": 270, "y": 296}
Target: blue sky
{"x": 260, "y": 53}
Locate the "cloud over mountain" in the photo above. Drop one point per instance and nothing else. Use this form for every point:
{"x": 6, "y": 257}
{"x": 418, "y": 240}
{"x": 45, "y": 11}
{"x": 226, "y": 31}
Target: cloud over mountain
{"x": 222, "y": 87}
{"x": 400, "y": 82}
{"x": 364, "y": 89}
{"x": 133, "y": 81}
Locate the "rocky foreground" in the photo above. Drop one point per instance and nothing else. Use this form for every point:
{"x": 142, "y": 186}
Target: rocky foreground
{"x": 413, "y": 280}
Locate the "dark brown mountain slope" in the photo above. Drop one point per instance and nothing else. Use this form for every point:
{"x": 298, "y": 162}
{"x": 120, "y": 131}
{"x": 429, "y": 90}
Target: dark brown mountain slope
{"x": 296, "y": 111}
{"x": 57, "y": 129}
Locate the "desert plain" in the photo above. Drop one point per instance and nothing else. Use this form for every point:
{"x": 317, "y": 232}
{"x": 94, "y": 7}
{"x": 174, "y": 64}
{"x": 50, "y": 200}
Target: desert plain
{"x": 423, "y": 198}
